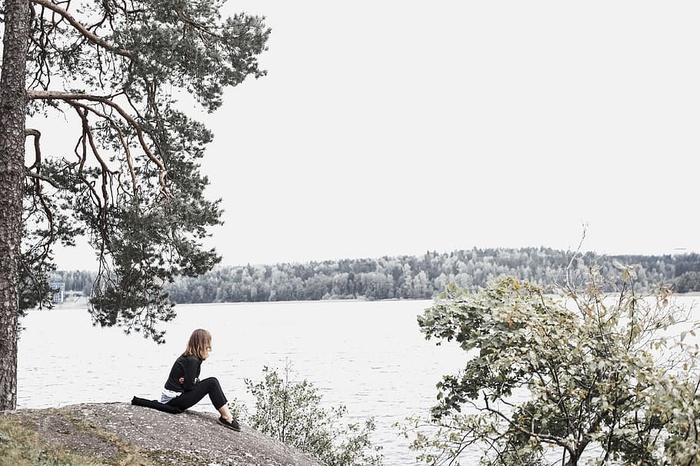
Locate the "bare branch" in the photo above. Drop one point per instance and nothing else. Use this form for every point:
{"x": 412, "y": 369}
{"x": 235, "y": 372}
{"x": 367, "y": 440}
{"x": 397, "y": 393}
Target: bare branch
{"x": 40, "y": 177}
{"x": 82, "y": 29}
{"x": 37, "y": 146}
{"x": 120, "y": 135}
{"x": 71, "y": 97}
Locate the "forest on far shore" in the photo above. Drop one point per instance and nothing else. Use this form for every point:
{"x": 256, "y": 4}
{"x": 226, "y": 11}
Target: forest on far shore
{"x": 409, "y": 277}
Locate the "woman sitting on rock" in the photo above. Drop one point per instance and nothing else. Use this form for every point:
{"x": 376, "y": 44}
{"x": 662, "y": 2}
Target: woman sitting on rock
{"x": 183, "y": 389}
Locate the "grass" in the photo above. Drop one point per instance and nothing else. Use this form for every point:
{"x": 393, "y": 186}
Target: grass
{"x": 21, "y": 446}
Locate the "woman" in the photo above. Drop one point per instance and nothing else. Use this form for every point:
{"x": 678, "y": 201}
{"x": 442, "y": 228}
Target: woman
{"x": 183, "y": 389}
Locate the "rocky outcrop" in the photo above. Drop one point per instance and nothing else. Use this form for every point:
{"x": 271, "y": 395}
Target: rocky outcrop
{"x": 124, "y": 434}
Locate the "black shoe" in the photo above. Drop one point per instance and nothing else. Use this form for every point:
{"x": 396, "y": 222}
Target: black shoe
{"x": 232, "y": 424}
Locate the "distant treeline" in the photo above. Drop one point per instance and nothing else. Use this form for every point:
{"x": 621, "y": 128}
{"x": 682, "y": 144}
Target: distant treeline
{"x": 410, "y": 277}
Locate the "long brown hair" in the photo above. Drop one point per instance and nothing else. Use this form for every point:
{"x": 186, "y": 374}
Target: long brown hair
{"x": 199, "y": 344}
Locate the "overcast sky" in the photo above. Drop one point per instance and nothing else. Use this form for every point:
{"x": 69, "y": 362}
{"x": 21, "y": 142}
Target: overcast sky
{"x": 397, "y": 127}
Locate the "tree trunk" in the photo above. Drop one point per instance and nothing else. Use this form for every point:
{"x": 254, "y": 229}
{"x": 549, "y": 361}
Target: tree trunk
{"x": 13, "y": 106}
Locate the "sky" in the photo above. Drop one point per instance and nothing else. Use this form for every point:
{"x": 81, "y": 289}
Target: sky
{"x": 393, "y": 127}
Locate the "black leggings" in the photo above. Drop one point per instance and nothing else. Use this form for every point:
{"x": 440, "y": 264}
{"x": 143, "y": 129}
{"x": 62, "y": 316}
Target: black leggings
{"x": 209, "y": 386}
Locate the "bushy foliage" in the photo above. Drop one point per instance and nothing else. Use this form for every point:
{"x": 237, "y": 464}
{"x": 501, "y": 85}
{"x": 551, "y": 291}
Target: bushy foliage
{"x": 586, "y": 375}
{"x": 291, "y": 412}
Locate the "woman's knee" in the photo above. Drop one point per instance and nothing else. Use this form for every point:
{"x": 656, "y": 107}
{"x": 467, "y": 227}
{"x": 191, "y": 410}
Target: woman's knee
{"x": 213, "y": 381}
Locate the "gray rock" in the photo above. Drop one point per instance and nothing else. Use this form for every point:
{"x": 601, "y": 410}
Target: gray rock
{"x": 107, "y": 431}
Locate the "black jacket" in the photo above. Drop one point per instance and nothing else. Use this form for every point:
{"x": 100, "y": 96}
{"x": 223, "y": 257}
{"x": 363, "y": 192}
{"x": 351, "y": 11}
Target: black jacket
{"x": 187, "y": 367}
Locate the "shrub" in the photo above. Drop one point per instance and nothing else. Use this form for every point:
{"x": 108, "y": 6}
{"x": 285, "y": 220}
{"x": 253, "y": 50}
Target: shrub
{"x": 291, "y": 412}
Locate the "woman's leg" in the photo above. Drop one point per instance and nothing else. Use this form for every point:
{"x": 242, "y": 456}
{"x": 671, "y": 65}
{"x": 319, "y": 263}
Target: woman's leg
{"x": 209, "y": 386}
{"x": 225, "y": 413}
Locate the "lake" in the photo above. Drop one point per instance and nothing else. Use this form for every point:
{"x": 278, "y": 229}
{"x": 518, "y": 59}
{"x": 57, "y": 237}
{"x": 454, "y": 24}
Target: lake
{"x": 369, "y": 356}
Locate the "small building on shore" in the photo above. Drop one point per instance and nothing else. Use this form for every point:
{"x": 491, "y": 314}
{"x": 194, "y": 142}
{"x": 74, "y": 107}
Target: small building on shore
{"x": 59, "y": 292}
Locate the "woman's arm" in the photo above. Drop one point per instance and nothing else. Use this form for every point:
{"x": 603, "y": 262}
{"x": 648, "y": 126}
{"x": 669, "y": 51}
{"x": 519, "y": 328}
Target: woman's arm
{"x": 190, "y": 366}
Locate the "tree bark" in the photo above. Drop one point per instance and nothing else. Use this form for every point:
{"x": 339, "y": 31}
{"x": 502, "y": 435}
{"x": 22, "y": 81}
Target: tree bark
{"x": 13, "y": 106}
